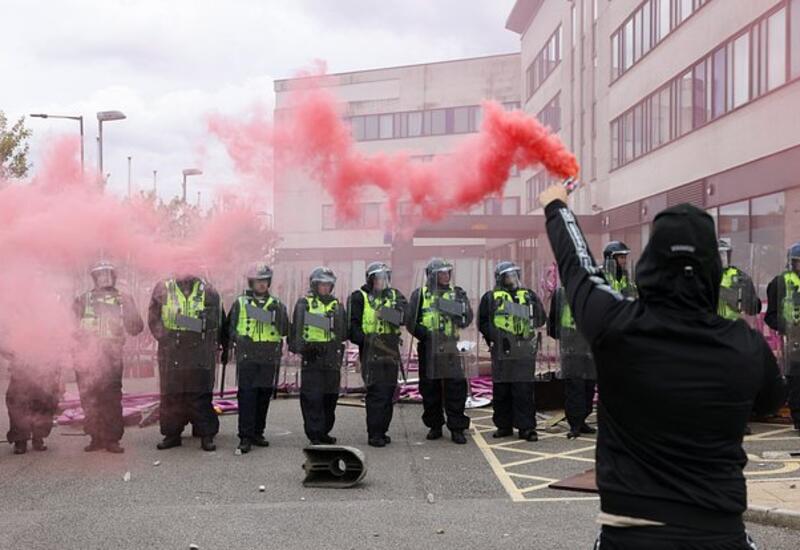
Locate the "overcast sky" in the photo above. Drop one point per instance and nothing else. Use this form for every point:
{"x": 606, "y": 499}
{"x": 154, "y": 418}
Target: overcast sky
{"x": 166, "y": 63}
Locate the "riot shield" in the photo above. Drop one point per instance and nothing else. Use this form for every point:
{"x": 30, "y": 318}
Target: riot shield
{"x": 380, "y": 359}
{"x": 514, "y": 351}
{"x": 440, "y": 357}
{"x": 322, "y": 361}
{"x": 574, "y": 352}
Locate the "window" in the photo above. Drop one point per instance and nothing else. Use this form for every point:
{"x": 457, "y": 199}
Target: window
{"x": 438, "y": 122}
{"x": 357, "y": 127}
{"x": 550, "y": 115}
{"x": 574, "y": 25}
{"x": 718, "y": 82}
{"x": 648, "y": 25}
{"x": 627, "y": 46}
{"x": 507, "y": 206}
{"x": 386, "y": 127}
{"x": 544, "y": 63}
{"x": 741, "y": 70}
{"x": 461, "y": 120}
{"x": 699, "y": 113}
{"x": 776, "y": 49}
{"x": 371, "y": 127}
{"x": 534, "y": 186}
{"x": 684, "y": 89}
{"x": 746, "y": 66}
{"x": 415, "y": 124}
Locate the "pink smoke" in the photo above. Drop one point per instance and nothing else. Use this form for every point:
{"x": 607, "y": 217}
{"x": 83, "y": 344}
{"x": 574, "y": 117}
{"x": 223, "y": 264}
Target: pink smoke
{"x": 59, "y": 223}
{"x": 312, "y": 136}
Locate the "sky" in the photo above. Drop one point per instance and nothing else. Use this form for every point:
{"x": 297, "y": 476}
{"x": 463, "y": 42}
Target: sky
{"x": 168, "y": 64}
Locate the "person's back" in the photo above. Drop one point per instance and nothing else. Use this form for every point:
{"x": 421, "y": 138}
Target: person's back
{"x": 676, "y": 384}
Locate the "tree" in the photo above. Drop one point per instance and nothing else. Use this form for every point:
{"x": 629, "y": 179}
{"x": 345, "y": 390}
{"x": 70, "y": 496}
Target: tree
{"x": 13, "y": 148}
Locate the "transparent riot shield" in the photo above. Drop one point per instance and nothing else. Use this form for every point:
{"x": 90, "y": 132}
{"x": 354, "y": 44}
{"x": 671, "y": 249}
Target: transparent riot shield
{"x": 322, "y": 361}
{"x": 515, "y": 343}
{"x": 574, "y": 352}
{"x": 447, "y": 314}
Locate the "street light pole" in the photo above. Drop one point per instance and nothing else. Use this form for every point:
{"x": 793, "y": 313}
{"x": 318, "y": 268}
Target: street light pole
{"x": 104, "y": 116}
{"x": 68, "y": 117}
{"x": 186, "y": 173}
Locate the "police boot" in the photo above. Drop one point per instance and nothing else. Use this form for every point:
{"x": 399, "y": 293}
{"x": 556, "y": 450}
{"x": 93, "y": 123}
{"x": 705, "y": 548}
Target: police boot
{"x": 207, "y": 443}
{"x": 20, "y": 447}
{"x": 114, "y": 447}
{"x": 502, "y": 432}
{"x": 259, "y": 441}
{"x": 376, "y": 442}
{"x": 244, "y": 445}
{"x": 387, "y": 439}
{"x": 529, "y": 435}
{"x": 748, "y": 430}
{"x": 434, "y": 433}
{"x": 94, "y": 445}
{"x": 458, "y": 437}
{"x": 327, "y": 440}
{"x": 587, "y": 429}
{"x": 38, "y": 444}
{"x": 169, "y": 442}
{"x": 574, "y": 433}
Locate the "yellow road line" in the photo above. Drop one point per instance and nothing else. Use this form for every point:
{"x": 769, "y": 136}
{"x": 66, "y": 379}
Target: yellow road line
{"x": 502, "y": 476}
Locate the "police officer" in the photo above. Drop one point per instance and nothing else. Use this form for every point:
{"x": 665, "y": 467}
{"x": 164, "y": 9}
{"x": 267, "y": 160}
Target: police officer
{"x": 376, "y": 315}
{"x": 318, "y": 333}
{"x": 436, "y": 313}
{"x": 783, "y": 315}
{"x": 255, "y": 328}
{"x": 577, "y": 366}
{"x": 507, "y": 318}
{"x": 31, "y": 400}
{"x": 615, "y": 263}
{"x": 186, "y": 319}
{"x": 105, "y": 315}
{"x": 737, "y": 293}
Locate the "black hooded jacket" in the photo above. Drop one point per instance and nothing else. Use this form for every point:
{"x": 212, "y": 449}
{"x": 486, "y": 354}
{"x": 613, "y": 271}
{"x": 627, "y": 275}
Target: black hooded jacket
{"x": 677, "y": 382}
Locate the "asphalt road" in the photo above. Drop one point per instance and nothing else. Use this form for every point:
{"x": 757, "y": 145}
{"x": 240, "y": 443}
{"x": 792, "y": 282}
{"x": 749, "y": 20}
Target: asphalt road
{"x": 417, "y": 494}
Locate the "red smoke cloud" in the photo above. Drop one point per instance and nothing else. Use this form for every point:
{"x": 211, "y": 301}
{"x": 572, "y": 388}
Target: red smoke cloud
{"x": 313, "y": 136}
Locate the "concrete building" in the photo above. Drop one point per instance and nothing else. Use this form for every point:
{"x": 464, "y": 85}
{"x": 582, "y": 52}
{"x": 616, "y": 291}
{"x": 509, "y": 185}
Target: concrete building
{"x": 669, "y": 101}
{"x": 420, "y": 109}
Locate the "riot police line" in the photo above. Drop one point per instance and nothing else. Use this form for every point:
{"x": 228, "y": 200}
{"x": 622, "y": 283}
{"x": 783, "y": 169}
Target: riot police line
{"x": 194, "y": 333}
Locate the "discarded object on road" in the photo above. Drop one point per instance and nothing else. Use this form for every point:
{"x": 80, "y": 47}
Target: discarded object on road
{"x": 333, "y": 466}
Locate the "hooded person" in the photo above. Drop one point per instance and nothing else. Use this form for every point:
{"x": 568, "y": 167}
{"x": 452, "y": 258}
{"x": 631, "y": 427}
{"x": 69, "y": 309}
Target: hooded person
{"x": 318, "y": 334}
{"x": 376, "y": 316}
{"x": 677, "y": 383}
{"x": 105, "y": 316}
{"x": 508, "y": 316}
{"x": 254, "y": 331}
{"x": 186, "y": 318}
{"x": 437, "y": 312}
{"x": 783, "y": 316}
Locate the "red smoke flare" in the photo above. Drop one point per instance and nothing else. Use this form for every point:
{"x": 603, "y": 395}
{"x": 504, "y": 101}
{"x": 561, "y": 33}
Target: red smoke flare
{"x": 311, "y": 135}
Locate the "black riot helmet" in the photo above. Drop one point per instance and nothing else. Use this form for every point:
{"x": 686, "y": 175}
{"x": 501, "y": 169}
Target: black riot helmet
{"x": 259, "y": 272}
{"x": 611, "y": 252}
{"x": 103, "y": 267}
{"x": 615, "y": 248}
{"x": 323, "y": 275}
{"x": 507, "y": 274}
{"x": 793, "y": 257}
{"x": 378, "y": 271}
{"x": 434, "y": 267}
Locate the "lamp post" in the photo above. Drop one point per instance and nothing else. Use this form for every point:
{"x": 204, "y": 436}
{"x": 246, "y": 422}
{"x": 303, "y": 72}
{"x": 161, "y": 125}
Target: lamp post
{"x": 68, "y": 117}
{"x": 104, "y": 116}
{"x": 186, "y": 173}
